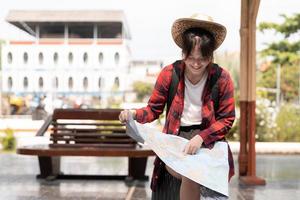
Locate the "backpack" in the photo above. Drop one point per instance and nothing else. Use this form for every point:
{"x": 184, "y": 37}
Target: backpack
{"x": 212, "y": 85}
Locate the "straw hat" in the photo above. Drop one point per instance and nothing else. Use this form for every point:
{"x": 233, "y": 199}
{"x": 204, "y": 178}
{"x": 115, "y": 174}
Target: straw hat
{"x": 205, "y": 22}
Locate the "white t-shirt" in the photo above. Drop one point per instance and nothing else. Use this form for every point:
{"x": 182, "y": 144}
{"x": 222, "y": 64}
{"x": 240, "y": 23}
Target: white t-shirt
{"x": 192, "y": 110}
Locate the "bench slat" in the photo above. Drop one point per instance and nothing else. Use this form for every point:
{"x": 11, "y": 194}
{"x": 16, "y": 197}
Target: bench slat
{"x": 93, "y": 140}
{"x": 46, "y": 150}
{"x": 93, "y": 146}
{"x": 88, "y": 124}
{"x": 96, "y": 135}
{"x": 90, "y": 129}
{"x": 87, "y": 114}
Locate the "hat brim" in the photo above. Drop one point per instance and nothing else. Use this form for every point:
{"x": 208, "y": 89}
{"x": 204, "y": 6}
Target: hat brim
{"x": 217, "y": 30}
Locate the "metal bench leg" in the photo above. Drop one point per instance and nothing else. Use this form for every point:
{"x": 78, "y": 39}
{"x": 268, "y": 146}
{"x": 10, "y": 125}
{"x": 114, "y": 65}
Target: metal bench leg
{"x": 137, "y": 168}
{"x": 49, "y": 167}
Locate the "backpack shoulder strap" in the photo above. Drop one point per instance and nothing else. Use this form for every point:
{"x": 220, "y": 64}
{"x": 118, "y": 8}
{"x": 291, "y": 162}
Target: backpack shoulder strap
{"x": 214, "y": 86}
{"x": 174, "y": 83}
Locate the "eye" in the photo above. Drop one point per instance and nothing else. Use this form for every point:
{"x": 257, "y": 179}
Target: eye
{"x": 192, "y": 59}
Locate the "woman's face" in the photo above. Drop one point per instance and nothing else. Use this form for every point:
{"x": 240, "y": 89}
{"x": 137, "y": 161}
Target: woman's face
{"x": 195, "y": 63}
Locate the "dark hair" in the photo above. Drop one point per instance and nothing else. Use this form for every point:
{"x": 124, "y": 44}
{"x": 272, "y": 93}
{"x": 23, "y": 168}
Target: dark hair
{"x": 207, "y": 42}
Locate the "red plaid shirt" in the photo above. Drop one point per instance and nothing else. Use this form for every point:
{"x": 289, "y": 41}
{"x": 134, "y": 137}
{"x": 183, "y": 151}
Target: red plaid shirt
{"x": 215, "y": 127}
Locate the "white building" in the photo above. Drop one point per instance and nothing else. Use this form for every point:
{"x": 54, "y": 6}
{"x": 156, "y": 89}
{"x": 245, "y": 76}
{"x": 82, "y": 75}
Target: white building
{"x": 71, "y": 52}
{"x": 145, "y": 70}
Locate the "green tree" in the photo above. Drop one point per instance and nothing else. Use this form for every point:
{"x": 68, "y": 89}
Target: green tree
{"x": 267, "y": 79}
{"x": 142, "y": 89}
{"x": 284, "y": 52}
{"x": 290, "y": 82}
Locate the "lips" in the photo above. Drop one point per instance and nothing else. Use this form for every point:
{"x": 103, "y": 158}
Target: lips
{"x": 197, "y": 69}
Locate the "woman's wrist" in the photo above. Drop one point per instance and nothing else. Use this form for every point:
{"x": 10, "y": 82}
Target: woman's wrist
{"x": 133, "y": 112}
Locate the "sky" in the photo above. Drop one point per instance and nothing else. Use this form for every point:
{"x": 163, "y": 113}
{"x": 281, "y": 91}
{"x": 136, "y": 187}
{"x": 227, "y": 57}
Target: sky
{"x": 150, "y": 21}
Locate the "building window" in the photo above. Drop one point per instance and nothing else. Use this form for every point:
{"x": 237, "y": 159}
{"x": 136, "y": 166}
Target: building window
{"x": 70, "y": 83}
{"x": 81, "y": 30}
{"x": 55, "y": 57}
{"x": 85, "y": 83}
{"x": 25, "y": 83}
{"x": 41, "y": 83}
{"x": 51, "y": 30}
{"x": 85, "y": 58}
{"x": 25, "y": 57}
{"x": 110, "y": 30}
{"x": 116, "y": 83}
{"x": 70, "y": 57}
{"x": 100, "y": 57}
{"x": 9, "y": 83}
{"x": 41, "y": 58}
{"x": 9, "y": 58}
{"x": 56, "y": 82}
{"x": 117, "y": 58}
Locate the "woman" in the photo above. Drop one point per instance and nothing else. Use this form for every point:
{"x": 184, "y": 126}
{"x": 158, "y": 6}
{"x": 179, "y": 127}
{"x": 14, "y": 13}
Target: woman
{"x": 195, "y": 112}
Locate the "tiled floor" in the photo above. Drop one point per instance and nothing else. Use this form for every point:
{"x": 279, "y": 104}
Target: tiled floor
{"x": 18, "y": 182}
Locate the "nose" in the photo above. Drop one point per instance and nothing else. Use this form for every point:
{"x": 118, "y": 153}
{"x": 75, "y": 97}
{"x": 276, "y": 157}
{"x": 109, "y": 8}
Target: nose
{"x": 196, "y": 64}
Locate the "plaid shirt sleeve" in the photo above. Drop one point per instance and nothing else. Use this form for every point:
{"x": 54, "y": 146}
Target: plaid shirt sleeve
{"x": 158, "y": 97}
{"x": 226, "y": 112}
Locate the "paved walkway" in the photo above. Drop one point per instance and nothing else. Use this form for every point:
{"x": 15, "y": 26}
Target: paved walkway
{"x": 18, "y": 182}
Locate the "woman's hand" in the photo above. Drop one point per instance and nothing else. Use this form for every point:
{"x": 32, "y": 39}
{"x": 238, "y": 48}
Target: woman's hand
{"x": 124, "y": 115}
{"x": 193, "y": 145}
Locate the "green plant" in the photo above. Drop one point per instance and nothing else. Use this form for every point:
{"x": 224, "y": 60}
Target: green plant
{"x": 272, "y": 124}
{"x": 265, "y": 121}
{"x": 8, "y": 141}
{"x": 288, "y": 124}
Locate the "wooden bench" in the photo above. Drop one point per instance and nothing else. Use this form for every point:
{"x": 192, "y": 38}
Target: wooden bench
{"x": 87, "y": 132}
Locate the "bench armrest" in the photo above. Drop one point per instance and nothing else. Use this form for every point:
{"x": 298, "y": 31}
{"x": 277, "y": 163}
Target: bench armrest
{"x": 45, "y": 126}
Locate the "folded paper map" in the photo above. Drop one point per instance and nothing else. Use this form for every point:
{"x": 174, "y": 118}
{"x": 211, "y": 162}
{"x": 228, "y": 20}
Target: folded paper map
{"x": 208, "y": 167}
